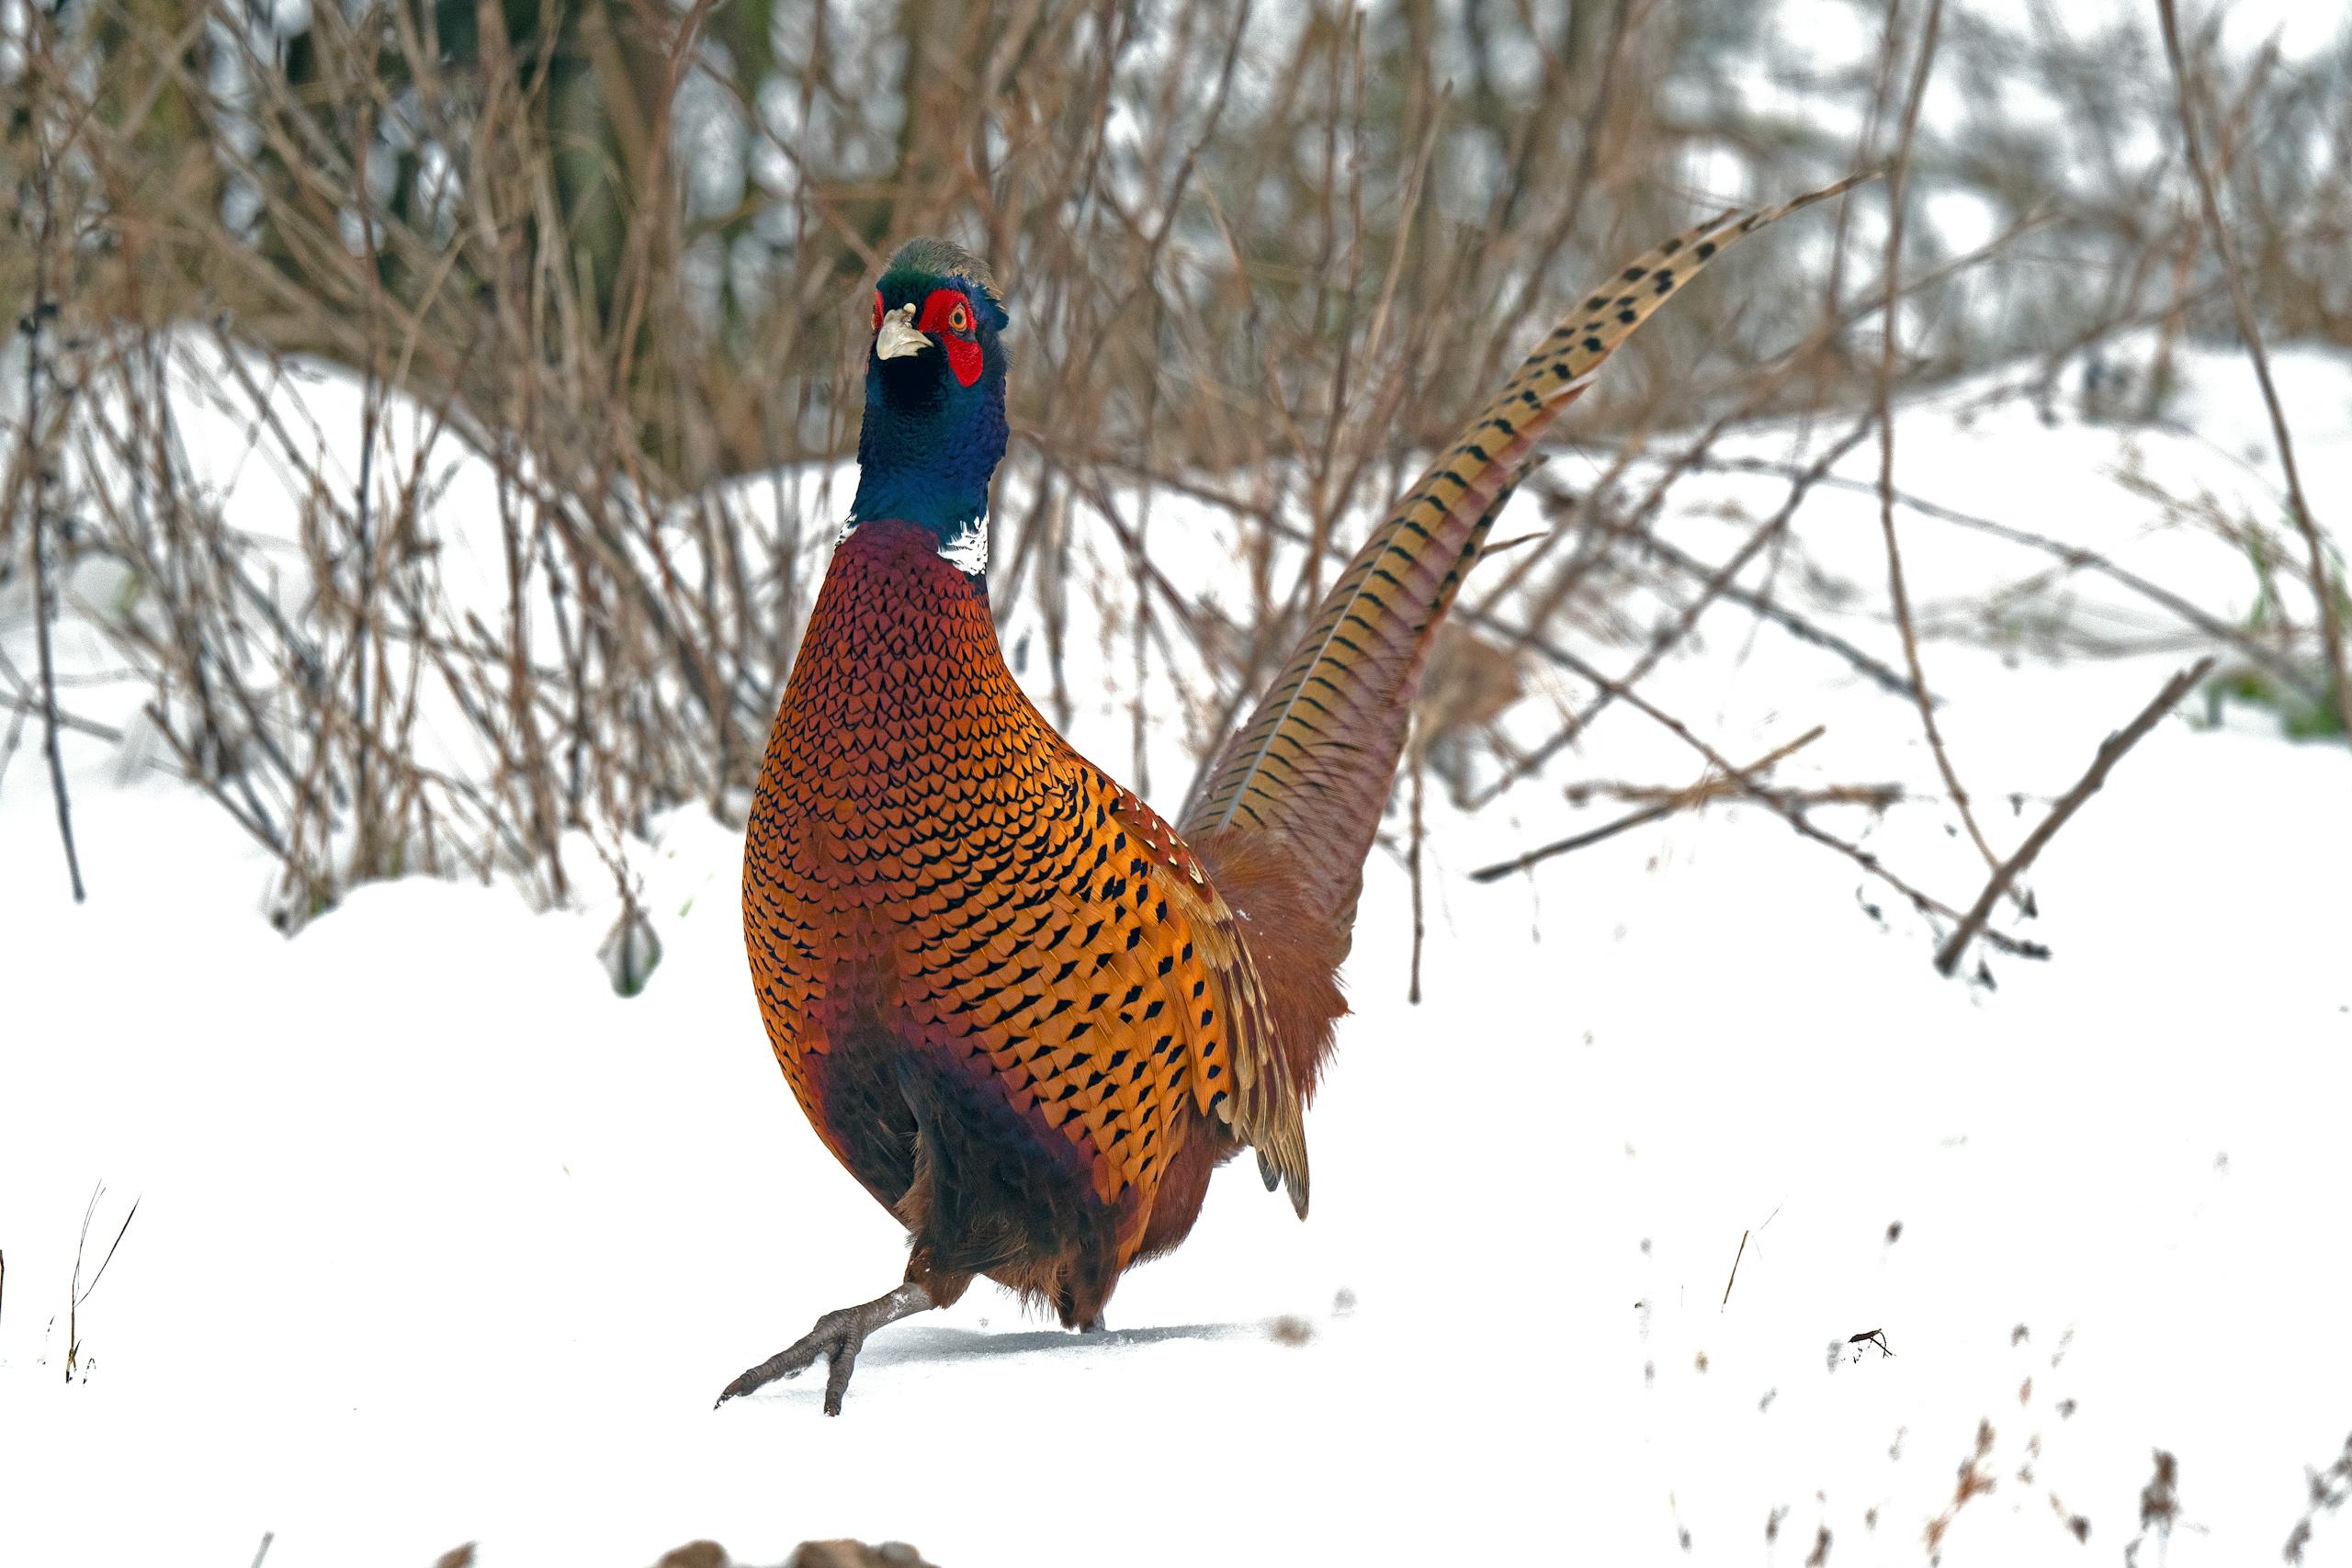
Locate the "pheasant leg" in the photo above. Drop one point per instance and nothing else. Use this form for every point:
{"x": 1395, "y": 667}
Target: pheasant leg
{"x": 838, "y": 1336}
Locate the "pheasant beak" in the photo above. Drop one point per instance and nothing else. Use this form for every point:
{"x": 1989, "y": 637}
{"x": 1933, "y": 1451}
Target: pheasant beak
{"x": 897, "y": 337}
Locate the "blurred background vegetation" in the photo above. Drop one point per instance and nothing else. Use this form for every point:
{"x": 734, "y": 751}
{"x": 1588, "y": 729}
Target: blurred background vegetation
{"x": 1208, "y": 198}
{"x": 1256, "y": 252}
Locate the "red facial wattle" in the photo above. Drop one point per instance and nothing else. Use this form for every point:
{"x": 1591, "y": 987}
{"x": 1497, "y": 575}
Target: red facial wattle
{"x": 949, "y": 317}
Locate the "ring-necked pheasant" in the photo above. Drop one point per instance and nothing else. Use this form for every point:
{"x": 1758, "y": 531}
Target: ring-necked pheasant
{"x": 1024, "y": 1011}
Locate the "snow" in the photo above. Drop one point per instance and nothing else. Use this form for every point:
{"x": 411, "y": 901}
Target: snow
{"x": 438, "y": 1239}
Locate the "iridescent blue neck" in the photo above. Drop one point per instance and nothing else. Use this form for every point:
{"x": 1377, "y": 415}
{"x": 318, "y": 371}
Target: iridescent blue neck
{"x": 928, "y": 460}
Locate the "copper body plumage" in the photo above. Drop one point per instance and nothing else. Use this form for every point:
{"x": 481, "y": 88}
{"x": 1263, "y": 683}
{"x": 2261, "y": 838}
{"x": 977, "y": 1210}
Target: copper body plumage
{"x": 1028, "y": 1014}
{"x": 1000, "y": 985}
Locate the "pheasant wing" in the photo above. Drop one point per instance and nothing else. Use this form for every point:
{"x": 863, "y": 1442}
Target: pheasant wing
{"x": 1106, "y": 989}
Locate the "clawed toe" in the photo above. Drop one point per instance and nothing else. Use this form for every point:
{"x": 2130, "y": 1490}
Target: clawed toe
{"x": 836, "y": 1337}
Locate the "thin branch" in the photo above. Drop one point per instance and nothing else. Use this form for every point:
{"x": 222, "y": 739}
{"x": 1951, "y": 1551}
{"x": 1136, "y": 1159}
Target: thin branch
{"x": 1713, "y": 587}
{"x": 2109, "y": 750}
{"x": 2331, "y": 626}
{"x": 1898, "y": 181}
{"x": 65, "y": 720}
{"x": 31, "y": 471}
{"x": 123, "y": 1230}
{"x": 78, "y": 1292}
{"x": 44, "y": 607}
{"x": 1766, "y": 609}
{"x": 371, "y": 401}
{"x": 1755, "y": 790}
{"x": 1718, "y": 583}
{"x": 2075, "y": 557}
{"x": 1697, "y": 794}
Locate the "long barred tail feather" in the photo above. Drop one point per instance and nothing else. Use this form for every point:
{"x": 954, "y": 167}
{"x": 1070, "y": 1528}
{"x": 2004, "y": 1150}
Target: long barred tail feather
{"x": 1313, "y": 764}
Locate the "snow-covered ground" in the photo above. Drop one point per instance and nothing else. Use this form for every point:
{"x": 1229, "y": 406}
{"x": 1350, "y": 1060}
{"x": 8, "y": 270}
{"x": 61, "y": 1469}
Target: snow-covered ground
{"x": 438, "y": 1239}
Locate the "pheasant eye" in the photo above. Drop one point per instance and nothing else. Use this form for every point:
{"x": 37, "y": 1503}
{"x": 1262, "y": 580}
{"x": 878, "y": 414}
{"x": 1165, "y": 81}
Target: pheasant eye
{"x": 960, "y": 319}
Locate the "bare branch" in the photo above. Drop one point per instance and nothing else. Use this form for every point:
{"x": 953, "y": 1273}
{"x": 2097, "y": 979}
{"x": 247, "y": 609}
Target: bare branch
{"x": 2109, "y": 752}
{"x": 1897, "y": 186}
{"x": 1706, "y": 789}
{"x": 1787, "y": 811}
{"x": 2323, "y": 594}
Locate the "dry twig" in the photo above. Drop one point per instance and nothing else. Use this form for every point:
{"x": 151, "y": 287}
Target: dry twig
{"x": 32, "y": 472}
{"x": 1897, "y": 180}
{"x": 1706, "y": 789}
{"x": 2077, "y": 557}
{"x": 1755, "y": 790}
{"x": 2324, "y": 596}
{"x": 2109, "y": 752}
{"x": 77, "y": 1291}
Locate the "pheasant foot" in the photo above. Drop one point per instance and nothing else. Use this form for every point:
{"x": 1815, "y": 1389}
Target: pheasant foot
{"x": 838, "y": 1336}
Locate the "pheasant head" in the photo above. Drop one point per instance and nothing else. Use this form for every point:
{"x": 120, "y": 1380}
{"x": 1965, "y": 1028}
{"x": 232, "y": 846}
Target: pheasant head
{"x": 934, "y": 400}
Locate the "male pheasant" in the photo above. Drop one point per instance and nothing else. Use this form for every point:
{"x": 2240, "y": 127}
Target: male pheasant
{"x": 1026, "y": 1013}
